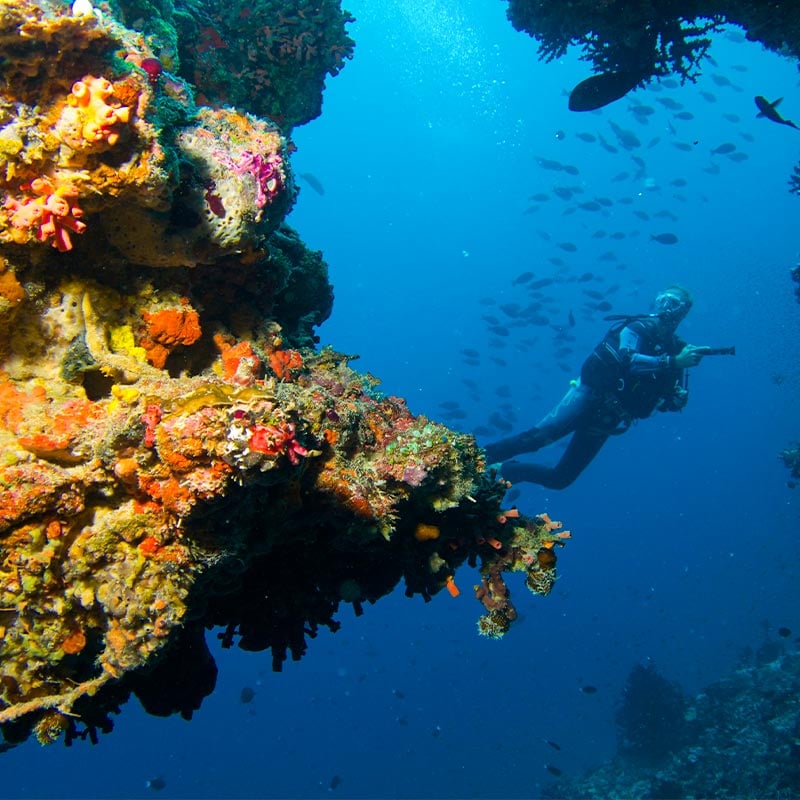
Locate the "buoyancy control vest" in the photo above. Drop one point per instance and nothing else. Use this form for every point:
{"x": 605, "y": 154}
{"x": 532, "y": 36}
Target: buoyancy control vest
{"x": 607, "y": 369}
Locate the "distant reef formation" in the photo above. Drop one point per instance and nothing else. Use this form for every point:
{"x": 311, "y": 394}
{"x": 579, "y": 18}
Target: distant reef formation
{"x": 652, "y": 38}
{"x": 177, "y": 454}
{"x": 740, "y": 737}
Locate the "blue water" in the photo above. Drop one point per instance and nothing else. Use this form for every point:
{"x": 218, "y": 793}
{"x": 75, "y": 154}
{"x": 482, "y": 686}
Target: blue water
{"x": 685, "y": 533}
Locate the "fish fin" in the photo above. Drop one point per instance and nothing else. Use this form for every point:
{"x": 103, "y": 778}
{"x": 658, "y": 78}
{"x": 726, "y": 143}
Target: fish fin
{"x": 777, "y": 102}
{"x": 760, "y": 114}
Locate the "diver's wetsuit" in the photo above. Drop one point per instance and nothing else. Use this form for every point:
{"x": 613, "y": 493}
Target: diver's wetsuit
{"x": 628, "y": 375}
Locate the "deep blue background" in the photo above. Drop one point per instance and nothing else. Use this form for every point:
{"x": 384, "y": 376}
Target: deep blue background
{"x": 685, "y": 534}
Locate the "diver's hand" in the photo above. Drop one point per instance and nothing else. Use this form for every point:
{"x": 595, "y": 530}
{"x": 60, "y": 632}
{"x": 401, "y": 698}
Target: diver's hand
{"x": 680, "y": 397}
{"x": 690, "y": 356}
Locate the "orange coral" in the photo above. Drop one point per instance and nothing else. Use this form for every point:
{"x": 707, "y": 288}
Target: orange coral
{"x": 240, "y": 364}
{"x": 13, "y": 401}
{"x": 65, "y": 430}
{"x": 149, "y": 546}
{"x": 451, "y": 587}
{"x": 74, "y": 643}
{"x": 10, "y": 288}
{"x": 166, "y": 329}
{"x": 424, "y": 532}
{"x": 100, "y": 117}
{"x": 284, "y": 362}
{"x": 549, "y": 524}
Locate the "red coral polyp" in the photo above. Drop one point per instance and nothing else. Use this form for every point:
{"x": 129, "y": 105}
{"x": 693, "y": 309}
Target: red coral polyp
{"x": 275, "y": 440}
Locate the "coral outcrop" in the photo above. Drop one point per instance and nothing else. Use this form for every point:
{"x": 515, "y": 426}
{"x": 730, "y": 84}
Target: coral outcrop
{"x": 175, "y": 451}
{"x": 740, "y": 737}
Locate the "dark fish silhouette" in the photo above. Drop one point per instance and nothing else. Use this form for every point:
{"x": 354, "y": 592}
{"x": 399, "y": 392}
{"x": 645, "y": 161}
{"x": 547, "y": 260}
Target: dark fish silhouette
{"x": 313, "y": 181}
{"x": 246, "y": 695}
{"x": 601, "y": 89}
{"x": 523, "y": 278}
{"x": 552, "y": 744}
{"x": 155, "y": 784}
{"x": 553, "y": 770}
{"x": 609, "y": 148}
{"x": 664, "y": 238}
{"x": 549, "y": 163}
{"x": 770, "y": 111}
{"x": 627, "y": 139}
{"x": 784, "y": 633}
{"x": 541, "y": 283}
{"x": 721, "y": 150}
{"x": 589, "y": 689}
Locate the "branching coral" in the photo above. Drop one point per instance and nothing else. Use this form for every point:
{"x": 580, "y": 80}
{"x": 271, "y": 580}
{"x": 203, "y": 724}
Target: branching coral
{"x": 49, "y": 213}
{"x": 526, "y": 546}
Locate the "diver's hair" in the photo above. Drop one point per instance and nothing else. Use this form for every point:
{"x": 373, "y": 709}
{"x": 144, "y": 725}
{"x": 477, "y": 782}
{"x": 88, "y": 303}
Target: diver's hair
{"x": 683, "y": 293}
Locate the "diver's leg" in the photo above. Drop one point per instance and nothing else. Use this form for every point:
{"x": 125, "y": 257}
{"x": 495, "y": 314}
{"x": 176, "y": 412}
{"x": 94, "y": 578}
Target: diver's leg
{"x": 580, "y": 452}
{"x": 563, "y": 419}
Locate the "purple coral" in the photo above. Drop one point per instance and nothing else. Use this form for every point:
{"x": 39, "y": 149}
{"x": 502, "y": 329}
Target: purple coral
{"x": 414, "y": 474}
{"x": 266, "y": 172}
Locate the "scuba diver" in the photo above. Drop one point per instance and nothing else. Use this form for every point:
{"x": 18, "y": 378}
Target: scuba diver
{"x": 637, "y": 368}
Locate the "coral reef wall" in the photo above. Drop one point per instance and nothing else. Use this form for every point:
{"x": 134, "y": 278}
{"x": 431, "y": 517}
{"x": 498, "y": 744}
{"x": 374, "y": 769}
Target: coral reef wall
{"x": 175, "y": 452}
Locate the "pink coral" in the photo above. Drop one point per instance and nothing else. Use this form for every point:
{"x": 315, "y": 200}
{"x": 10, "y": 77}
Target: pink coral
{"x": 52, "y": 214}
{"x": 265, "y": 169}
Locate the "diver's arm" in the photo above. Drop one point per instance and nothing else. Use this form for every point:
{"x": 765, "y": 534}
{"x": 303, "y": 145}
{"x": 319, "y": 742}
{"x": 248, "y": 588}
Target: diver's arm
{"x": 638, "y": 363}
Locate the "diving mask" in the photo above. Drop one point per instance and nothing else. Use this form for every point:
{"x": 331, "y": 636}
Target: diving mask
{"x": 671, "y": 307}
